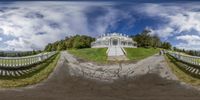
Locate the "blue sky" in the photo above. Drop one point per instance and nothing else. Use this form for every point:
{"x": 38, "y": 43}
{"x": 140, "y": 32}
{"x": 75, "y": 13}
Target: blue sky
{"x": 32, "y": 25}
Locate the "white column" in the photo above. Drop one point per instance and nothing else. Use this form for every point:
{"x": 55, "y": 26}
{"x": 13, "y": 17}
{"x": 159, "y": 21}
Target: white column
{"x": 111, "y": 42}
{"x": 17, "y": 60}
{"x": 118, "y": 42}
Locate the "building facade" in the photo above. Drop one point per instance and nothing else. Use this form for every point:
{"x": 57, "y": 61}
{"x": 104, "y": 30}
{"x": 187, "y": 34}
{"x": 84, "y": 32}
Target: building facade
{"x": 114, "y": 39}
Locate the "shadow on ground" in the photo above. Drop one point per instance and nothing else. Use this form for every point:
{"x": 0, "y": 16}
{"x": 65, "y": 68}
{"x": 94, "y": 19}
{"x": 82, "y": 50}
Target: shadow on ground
{"x": 61, "y": 86}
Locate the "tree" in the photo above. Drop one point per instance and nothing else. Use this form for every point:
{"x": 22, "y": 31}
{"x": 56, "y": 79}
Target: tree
{"x": 48, "y": 47}
{"x": 166, "y": 45}
{"x": 61, "y": 45}
{"x": 144, "y": 39}
{"x": 34, "y": 52}
{"x": 155, "y": 41}
{"x": 82, "y": 42}
{"x": 69, "y": 42}
{"x": 77, "y": 42}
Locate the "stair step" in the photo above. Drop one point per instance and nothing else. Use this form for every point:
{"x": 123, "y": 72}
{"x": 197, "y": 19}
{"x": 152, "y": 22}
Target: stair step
{"x": 115, "y": 51}
{"x": 16, "y": 73}
{"x": 3, "y": 73}
{"x": 7, "y": 73}
{"x": 197, "y": 71}
{"x": 20, "y": 72}
{"x": 25, "y": 71}
{"x": 193, "y": 70}
{"x": 189, "y": 69}
{"x": 12, "y": 73}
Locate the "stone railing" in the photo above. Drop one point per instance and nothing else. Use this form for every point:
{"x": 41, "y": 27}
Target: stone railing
{"x": 124, "y": 51}
{"x": 108, "y": 49}
{"x": 194, "y": 60}
{"x": 24, "y": 61}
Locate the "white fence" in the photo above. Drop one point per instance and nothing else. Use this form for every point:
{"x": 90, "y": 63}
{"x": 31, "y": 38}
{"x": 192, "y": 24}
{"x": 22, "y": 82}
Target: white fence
{"x": 24, "y": 61}
{"x": 185, "y": 58}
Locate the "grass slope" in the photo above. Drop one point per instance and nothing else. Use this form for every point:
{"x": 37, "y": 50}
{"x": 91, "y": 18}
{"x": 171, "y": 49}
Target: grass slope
{"x": 183, "y": 76}
{"x": 91, "y": 54}
{"x": 42, "y": 73}
{"x": 136, "y": 54}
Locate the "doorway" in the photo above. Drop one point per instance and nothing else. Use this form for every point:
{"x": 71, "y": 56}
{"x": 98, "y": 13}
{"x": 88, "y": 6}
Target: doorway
{"x": 115, "y": 42}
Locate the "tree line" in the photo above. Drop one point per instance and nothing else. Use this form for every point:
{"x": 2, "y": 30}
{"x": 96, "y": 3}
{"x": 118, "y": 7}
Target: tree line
{"x": 146, "y": 40}
{"x": 189, "y": 52}
{"x": 72, "y": 42}
{"x": 18, "y": 53}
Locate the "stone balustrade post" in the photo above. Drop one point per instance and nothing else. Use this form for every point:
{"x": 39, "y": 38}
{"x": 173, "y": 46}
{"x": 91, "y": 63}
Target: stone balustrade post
{"x": 24, "y": 61}
{"x": 185, "y": 58}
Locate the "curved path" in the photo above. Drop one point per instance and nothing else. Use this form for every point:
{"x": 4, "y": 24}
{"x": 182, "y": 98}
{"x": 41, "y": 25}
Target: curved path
{"x": 111, "y": 72}
{"x": 61, "y": 85}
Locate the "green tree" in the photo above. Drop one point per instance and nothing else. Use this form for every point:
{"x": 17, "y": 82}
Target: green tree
{"x": 48, "y": 47}
{"x": 166, "y": 45}
{"x": 144, "y": 39}
{"x": 77, "y": 42}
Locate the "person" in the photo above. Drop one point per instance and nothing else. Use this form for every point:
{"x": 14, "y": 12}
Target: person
{"x": 161, "y": 52}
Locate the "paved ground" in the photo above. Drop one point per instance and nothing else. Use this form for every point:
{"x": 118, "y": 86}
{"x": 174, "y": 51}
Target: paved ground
{"x": 116, "y": 53}
{"x": 62, "y": 86}
{"x": 110, "y": 72}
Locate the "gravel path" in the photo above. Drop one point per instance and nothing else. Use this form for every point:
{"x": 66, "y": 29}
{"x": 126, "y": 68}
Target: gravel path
{"x": 149, "y": 85}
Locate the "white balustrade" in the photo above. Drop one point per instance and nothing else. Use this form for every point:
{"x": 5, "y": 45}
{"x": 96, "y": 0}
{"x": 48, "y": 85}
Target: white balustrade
{"x": 24, "y": 61}
{"x": 185, "y": 58}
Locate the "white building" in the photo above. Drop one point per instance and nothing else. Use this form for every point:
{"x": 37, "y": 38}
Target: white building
{"x": 114, "y": 39}
{"x": 115, "y": 43}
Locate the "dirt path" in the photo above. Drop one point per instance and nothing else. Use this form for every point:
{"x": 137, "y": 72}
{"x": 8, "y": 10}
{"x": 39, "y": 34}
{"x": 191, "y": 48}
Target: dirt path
{"x": 62, "y": 86}
{"x": 109, "y": 73}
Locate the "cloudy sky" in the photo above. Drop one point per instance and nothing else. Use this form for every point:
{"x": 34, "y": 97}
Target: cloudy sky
{"x": 32, "y": 25}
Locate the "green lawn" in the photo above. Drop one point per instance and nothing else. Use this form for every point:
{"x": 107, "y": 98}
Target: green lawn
{"x": 45, "y": 68}
{"x": 99, "y": 54}
{"x": 91, "y": 54}
{"x": 136, "y": 54}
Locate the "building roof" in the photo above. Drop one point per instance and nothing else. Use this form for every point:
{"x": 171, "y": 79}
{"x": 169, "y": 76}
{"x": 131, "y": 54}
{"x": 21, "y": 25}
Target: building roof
{"x": 108, "y": 36}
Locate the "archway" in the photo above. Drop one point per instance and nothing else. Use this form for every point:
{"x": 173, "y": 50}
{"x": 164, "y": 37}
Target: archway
{"x": 114, "y": 42}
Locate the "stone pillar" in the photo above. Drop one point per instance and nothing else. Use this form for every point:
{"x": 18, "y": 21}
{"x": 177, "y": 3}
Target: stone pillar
{"x": 117, "y": 42}
{"x": 110, "y": 42}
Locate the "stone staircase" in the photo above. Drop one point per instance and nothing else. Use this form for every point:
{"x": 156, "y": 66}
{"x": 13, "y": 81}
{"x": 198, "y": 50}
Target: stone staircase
{"x": 17, "y": 72}
{"x": 188, "y": 64}
{"x": 192, "y": 70}
{"x": 116, "y": 53}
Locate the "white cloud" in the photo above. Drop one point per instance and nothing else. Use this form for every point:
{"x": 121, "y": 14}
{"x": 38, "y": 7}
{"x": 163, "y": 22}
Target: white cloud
{"x": 186, "y": 22}
{"x": 163, "y": 32}
{"x": 32, "y": 25}
{"x": 189, "y": 38}
{"x": 189, "y": 42}
{"x": 180, "y": 22}
{"x": 176, "y": 18}
{"x": 1, "y": 39}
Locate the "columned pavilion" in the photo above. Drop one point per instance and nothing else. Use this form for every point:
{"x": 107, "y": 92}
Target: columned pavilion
{"x": 114, "y": 39}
